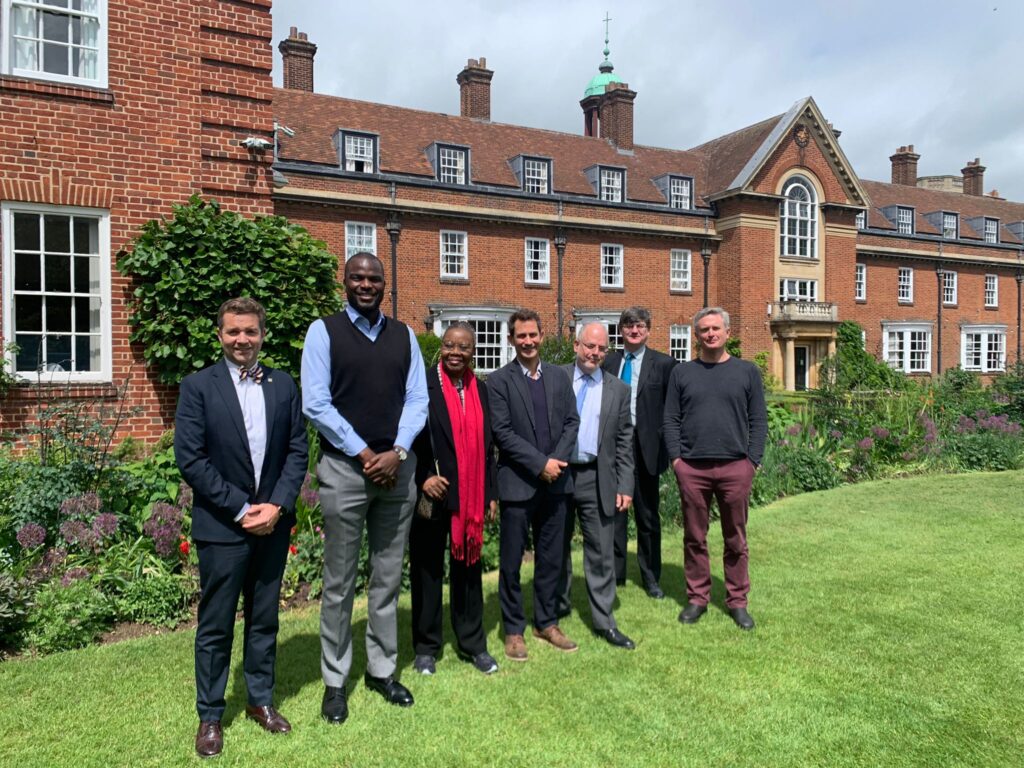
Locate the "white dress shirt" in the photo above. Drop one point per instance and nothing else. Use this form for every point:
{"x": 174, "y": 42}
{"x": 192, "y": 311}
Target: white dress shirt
{"x": 254, "y": 414}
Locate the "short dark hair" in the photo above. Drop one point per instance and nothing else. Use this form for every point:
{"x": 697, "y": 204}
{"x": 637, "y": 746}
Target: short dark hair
{"x": 243, "y": 305}
{"x": 363, "y": 255}
{"x": 523, "y": 316}
{"x": 634, "y": 315}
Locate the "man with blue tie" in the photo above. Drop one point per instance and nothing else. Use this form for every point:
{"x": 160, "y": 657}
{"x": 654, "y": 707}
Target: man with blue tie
{"x": 240, "y": 443}
{"x": 647, "y": 372}
{"x": 602, "y": 472}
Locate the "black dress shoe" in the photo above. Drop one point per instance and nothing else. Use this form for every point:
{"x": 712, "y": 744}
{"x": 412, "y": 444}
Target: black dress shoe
{"x": 392, "y": 690}
{"x": 653, "y": 590}
{"x": 743, "y": 619}
{"x": 691, "y": 613}
{"x": 269, "y": 719}
{"x": 616, "y": 638}
{"x": 335, "y": 705}
{"x": 620, "y": 582}
{"x": 209, "y": 739}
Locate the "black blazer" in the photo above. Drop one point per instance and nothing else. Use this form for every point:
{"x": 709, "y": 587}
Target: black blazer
{"x": 439, "y": 429}
{"x": 650, "y": 406}
{"x": 212, "y": 451}
{"x": 519, "y": 460}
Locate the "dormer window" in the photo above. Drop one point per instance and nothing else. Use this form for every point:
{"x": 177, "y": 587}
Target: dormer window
{"x": 905, "y": 220}
{"x": 359, "y": 152}
{"x": 536, "y": 175}
{"x": 861, "y": 222}
{"x": 452, "y": 165}
{"x": 680, "y": 192}
{"x": 611, "y": 185}
{"x": 991, "y": 230}
{"x": 950, "y": 226}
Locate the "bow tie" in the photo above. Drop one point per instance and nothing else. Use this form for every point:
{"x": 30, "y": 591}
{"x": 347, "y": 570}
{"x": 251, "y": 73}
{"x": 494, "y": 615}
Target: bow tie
{"x": 255, "y": 373}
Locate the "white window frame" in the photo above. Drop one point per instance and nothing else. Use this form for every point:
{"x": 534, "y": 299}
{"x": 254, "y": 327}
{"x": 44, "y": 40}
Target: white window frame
{"x": 612, "y": 184}
{"x": 496, "y": 318}
{"x": 536, "y": 176}
{"x": 798, "y": 219}
{"x": 352, "y": 141}
{"x": 986, "y": 353}
{"x": 991, "y": 291}
{"x": 950, "y": 225}
{"x": 680, "y": 192}
{"x": 904, "y": 220}
{"x": 7, "y": 43}
{"x": 861, "y": 220}
{"x": 905, "y": 285}
{"x": 612, "y": 265}
{"x": 798, "y": 289}
{"x": 680, "y": 345}
{"x": 991, "y": 230}
{"x": 452, "y": 164}
{"x": 680, "y": 270}
{"x": 949, "y": 287}
{"x": 102, "y": 217}
{"x": 537, "y": 254}
{"x": 903, "y": 356}
{"x": 610, "y": 321}
{"x": 447, "y": 238}
{"x": 355, "y": 241}
{"x": 860, "y": 282}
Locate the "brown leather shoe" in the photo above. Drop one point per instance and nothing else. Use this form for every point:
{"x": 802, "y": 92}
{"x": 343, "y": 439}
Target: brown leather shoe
{"x": 556, "y": 637}
{"x": 515, "y": 648}
{"x": 209, "y": 739}
{"x": 270, "y": 719}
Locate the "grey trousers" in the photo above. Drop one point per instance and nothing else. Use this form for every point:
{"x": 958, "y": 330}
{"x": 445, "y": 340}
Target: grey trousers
{"x": 349, "y": 501}
{"x": 598, "y": 550}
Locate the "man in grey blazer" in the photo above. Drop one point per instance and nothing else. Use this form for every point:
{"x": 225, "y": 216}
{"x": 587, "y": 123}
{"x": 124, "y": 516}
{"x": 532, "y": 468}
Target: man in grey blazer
{"x": 602, "y": 473}
{"x": 534, "y": 421}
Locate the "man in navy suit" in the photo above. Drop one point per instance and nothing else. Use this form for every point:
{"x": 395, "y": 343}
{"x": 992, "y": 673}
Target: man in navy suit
{"x": 240, "y": 443}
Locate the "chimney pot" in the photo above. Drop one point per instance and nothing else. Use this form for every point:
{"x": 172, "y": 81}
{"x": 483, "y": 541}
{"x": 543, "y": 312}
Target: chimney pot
{"x": 904, "y": 166}
{"x": 475, "y": 89}
{"x": 974, "y": 177}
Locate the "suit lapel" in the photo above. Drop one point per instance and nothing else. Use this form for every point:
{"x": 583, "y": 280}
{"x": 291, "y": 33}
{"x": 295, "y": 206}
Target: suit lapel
{"x": 269, "y": 404}
{"x": 549, "y": 395}
{"x": 439, "y": 406}
{"x": 519, "y": 382}
{"x": 226, "y": 387}
{"x": 606, "y": 411}
{"x": 645, "y": 370}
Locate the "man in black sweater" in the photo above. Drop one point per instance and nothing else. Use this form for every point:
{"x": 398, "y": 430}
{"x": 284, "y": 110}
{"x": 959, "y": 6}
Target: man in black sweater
{"x": 716, "y": 423}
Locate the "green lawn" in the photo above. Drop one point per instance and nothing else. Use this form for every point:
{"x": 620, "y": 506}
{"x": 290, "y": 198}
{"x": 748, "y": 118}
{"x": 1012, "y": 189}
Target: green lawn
{"x": 889, "y": 634}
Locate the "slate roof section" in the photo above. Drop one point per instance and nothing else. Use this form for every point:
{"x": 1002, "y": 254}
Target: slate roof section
{"x": 727, "y": 155}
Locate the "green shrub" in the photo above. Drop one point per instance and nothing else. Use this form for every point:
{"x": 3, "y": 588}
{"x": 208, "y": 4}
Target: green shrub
{"x": 986, "y": 442}
{"x": 15, "y": 606}
{"x": 557, "y": 350}
{"x": 160, "y": 599}
{"x": 186, "y": 266}
{"x": 430, "y": 347}
{"x": 67, "y": 617}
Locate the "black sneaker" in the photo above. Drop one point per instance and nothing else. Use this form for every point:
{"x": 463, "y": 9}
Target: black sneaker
{"x": 485, "y": 663}
{"x": 424, "y": 664}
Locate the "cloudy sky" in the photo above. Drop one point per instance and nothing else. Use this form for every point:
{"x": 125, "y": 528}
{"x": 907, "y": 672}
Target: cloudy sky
{"x": 943, "y": 75}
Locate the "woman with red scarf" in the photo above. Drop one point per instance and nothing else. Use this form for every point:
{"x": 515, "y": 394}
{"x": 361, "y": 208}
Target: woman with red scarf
{"x": 454, "y": 472}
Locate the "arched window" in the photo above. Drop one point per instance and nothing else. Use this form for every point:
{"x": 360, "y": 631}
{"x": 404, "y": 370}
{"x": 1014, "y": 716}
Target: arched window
{"x": 798, "y": 219}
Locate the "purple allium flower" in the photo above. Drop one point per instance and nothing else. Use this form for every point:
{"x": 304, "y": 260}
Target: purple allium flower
{"x": 811, "y": 431}
{"x": 76, "y": 532}
{"x": 310, "y": 496}
{"x": 105, "y": 525}
{"x": 72, "y": 575}
{"x": 908, "y": 456}
{"x": 784, "y": 443}
{"x": 164, "y": 527}
{"x": 793, "y": 430}
{"x": 83, "y": 507}
{"x": 880, "y": 432}
{"x": 866, "y": 444}
{"x": 835, "y": 434}
{"x": 184, "y": 496}
{"x": 31, "y": 535}
{"x": 53, "y": 558}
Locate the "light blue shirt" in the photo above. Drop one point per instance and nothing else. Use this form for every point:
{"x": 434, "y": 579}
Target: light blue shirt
{"x": 634, "y": 378}
{"x": 590, "y": 418}
{"x": 316, "y": 387}
{"x": 254, "y": 414}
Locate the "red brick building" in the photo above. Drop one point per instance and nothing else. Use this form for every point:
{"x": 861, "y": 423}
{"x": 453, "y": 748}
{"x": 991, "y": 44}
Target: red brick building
{"x": 156, "y": 103}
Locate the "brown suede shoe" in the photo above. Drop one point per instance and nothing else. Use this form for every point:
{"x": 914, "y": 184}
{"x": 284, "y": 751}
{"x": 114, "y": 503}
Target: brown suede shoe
{"x": 556, "y": 637}
{"x": 209, "y": 739}
{"x": 515, "y": 648}
{"x": 270, "y": 719}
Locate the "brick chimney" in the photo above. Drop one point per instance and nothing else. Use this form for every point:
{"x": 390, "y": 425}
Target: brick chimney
{"x": 297, "y": 53}
{"x": 974, "y": 177}
{"x": 475, "y": 89}
{"x": 904, "y": 166}
{"x": 616, "y": 115}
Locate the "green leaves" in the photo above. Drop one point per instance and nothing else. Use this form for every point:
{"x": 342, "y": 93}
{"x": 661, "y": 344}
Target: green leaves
{"x": 186, "y": 266}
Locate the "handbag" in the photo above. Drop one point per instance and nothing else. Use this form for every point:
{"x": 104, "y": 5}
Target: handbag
{"x": 425, "y": 504}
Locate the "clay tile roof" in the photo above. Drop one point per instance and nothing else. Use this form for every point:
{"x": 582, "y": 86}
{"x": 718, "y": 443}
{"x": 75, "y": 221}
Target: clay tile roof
{"x": 406, "y": 133}
{"x": 726, "y": 156}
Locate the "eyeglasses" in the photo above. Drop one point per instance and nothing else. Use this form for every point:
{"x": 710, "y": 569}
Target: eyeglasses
{"x": 637, "y": 326}
{"x": 591, "y": 347}
{"x": 451, "y": 346}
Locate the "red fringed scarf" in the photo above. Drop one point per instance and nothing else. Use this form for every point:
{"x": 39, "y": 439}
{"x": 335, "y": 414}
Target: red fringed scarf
{"x": 468, "y": 432}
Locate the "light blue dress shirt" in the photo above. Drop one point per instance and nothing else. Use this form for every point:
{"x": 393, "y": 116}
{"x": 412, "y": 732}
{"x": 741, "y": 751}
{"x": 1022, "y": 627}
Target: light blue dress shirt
{"x": 316, "y": 387}
{"x": 634, "y": 378}
{"x": 254, "y": 414}
{"x": 590, "y": 418}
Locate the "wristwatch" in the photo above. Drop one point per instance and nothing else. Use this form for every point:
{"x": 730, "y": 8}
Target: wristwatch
{"x": 402, "y": 453}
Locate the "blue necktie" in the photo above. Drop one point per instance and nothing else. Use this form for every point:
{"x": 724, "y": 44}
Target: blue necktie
{"x": 581, "y": 396}
{"x": 627, "y": 369}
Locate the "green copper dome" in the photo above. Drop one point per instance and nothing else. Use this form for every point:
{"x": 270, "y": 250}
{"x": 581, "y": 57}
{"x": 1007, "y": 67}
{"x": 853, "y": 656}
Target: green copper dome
{"x": 600, "y": 80}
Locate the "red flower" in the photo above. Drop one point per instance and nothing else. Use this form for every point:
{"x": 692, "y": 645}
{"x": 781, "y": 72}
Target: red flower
{"x": 295, "y": 530}
{"x": 293, "y": 549}
{"x": 183, "y": 547}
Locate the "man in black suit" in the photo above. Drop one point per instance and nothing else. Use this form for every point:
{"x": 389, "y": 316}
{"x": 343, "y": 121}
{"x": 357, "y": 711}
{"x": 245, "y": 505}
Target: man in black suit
{"x": 647, "y": 372}
{"x": 240, "y": 443}
{"x": 533, "y": 415}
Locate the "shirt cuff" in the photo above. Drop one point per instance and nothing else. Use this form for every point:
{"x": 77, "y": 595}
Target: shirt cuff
{"x": 240, "y": 515}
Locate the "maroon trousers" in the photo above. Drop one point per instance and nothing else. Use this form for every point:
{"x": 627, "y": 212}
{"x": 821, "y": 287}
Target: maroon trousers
{"x": 729, "y": 482}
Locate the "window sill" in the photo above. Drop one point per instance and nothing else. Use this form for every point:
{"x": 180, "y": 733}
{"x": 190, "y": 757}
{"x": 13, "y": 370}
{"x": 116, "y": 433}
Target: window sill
{"x": 905, "y": 303}
{"x": 450, "y": 280}
{"x": 991, "y": 309}
{"x": 800, "y": 259}
{"x": 678, "y": 292}
{"x": 860, "y": 301}
{"x": 48, "y": 88}
{"x": 949, "y": 306}
{"x": 613, "y": 289}
{"x": 27, "y": 390}
{"x": 528, "y": 284}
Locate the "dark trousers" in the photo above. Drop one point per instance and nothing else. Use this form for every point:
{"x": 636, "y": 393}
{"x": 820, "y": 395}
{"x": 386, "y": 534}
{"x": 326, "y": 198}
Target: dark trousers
{"x": 729, "y": 482}
{"x": 253, "y": 569}
{"x": 428, "y": 542}
{"x": 646, "y": 504}
{"x": 545, "y": 515}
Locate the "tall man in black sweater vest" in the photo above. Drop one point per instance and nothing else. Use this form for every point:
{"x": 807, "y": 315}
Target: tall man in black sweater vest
{"x": 715, "y": 429}
{"x": 364, "y": 388}
{"x": 534, "y": 420}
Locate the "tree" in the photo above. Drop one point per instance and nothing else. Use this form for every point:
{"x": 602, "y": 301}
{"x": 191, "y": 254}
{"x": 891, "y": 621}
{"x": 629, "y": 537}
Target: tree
{"x": 185, "y": 267}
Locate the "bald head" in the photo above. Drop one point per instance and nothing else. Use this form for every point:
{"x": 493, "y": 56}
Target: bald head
{"x": 591, "y": 347}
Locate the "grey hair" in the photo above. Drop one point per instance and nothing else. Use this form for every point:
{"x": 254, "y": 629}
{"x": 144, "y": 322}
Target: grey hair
{"x": 711, "y": 311}
{"x": 461, "y": 325}
{"x": 634, "y": 315}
